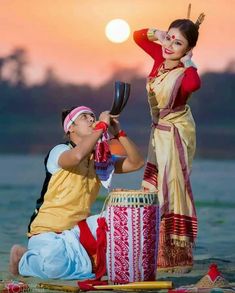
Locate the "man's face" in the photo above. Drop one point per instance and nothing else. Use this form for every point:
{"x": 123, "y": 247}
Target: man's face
{"x": 83, "y": 125}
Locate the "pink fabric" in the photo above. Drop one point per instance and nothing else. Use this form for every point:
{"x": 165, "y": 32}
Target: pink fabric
{"x": 72, "y": 116}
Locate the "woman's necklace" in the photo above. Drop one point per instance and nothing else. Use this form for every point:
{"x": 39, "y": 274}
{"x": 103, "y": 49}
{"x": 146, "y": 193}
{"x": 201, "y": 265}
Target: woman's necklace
{"x": 162, "y": 68}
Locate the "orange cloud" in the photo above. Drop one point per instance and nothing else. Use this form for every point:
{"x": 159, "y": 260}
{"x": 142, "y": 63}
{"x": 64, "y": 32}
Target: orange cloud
{"x": 69, "y": 35}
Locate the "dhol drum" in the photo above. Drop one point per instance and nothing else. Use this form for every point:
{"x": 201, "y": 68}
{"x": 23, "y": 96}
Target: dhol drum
{"x": 132, "y": 238}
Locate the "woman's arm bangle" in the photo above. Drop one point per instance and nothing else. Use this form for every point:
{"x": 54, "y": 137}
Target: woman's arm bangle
{"x": 151, "y": 34}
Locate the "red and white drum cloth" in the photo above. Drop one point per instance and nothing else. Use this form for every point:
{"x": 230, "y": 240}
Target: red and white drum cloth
{"x": 132, "y": 240}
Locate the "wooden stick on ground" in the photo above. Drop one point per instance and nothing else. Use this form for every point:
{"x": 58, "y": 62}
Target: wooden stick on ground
{"x": 138, "y": 285}
{"x": 57, "y": 287}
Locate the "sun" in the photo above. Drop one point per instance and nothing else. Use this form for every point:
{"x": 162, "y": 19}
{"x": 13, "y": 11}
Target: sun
{"x": 117, "y": 30}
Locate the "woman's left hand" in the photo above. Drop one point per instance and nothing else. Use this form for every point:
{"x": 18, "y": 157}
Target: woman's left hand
{"x": 187, "y": 57}
{"x": 160, "y": 35}
{"x": 187, "y": 61}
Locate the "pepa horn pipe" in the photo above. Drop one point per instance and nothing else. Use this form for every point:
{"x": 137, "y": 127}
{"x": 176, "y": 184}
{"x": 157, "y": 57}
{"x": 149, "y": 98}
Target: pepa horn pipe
{"x": 126, "y": 95}
{"x": 118, "y": 98}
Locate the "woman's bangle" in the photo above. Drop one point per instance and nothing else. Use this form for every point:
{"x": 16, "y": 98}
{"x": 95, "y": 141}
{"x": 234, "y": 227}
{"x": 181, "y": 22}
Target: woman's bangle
{"x": 101, "y": 126}
{"x": 151, "y": 34}
{"x": 121, "y": 133}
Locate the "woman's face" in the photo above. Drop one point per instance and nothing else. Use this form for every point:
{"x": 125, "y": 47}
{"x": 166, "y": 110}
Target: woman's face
{"x": 175, "y": 45}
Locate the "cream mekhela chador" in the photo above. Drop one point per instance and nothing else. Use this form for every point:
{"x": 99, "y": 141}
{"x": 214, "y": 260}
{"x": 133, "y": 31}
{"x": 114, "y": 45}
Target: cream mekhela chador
{"x": 172, "y": 144}
{"x": 171, "y": 151}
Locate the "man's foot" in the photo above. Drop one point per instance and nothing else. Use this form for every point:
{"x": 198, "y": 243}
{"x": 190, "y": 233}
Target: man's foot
{"x": 15, "y": 255}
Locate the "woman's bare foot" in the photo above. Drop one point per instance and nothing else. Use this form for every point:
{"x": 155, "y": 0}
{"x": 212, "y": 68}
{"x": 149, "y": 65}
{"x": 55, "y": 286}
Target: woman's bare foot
{"x": 15, "y": 255}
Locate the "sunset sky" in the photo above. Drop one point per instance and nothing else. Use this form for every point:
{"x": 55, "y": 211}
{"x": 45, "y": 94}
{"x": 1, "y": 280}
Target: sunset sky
{"x": 69, "y": 35}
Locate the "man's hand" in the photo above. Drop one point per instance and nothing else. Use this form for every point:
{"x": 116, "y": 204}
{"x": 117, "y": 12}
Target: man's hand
{"x": 105, "y": 117}
{"x": 114, "y": 126}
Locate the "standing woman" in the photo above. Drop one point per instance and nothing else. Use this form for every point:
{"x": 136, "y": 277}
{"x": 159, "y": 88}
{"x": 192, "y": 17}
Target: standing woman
{"x": 172, "y": 142}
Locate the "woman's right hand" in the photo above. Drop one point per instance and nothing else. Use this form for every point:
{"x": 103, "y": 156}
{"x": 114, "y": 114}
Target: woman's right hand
{"x": 160, "y": 35}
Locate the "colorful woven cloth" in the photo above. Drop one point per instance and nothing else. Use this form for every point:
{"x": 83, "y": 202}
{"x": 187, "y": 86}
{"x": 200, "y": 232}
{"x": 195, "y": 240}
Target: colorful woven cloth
{"x": 104, "y": 165}
{"x": 13, "y": 286}
{"x": 132, "y": 236}
{"x": 213, "y": 279}
{"x": 212, "y": 282}
{"x": 172, "y": 258}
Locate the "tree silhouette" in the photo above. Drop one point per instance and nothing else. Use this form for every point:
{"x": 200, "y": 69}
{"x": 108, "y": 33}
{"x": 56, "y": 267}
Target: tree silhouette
{"x": 19, "y": 57}
{"x": 230, "y": 67}
{"x": 14, "y": 66}
{"x": 50, "y": 78}
{"x": 30, "y": 114}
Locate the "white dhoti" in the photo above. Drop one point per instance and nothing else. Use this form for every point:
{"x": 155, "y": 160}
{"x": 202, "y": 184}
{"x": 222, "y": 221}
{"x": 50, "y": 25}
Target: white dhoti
{"x": 58, "y": 256}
